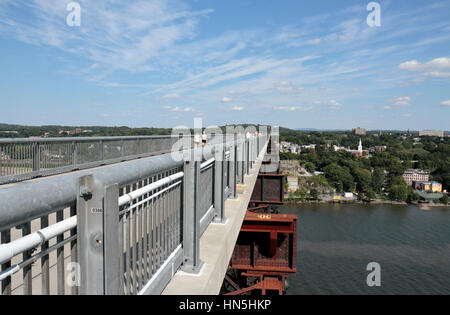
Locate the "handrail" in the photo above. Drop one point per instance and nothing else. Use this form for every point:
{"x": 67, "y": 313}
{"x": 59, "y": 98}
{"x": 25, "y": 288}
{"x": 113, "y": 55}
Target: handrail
{"x": 127, "y": 198}
{"x": 18, "y": 203}
{"x": 82, "y": 139}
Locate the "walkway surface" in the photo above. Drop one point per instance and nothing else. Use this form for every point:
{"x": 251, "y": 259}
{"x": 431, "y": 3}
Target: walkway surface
{"x": 217, "y": 245}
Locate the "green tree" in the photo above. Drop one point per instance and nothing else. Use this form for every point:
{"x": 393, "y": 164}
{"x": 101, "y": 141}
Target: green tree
{"x": 412, "y": 195}
{"x": 310, "y": 167}
{"x": 444, "y": 199}
{"x": 363, "y": 180}
{"x": 398, "y": 189}
{"x": 378, "y": 178}
{"x": 314, "y": 194}
{"x": 339, "y": 177}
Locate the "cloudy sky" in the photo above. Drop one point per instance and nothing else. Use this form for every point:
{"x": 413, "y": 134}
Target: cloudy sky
{"x": 294, "y": 63}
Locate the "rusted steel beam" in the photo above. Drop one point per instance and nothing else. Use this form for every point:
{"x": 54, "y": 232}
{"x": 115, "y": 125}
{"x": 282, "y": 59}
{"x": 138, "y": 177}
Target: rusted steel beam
{"x": 269, "y": 188}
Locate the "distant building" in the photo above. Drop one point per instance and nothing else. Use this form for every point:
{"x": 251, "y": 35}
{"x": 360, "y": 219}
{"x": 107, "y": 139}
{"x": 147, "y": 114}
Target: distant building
{"x": 431, "y": 133}
{"x": 433, "y": 187}
{"x": 359, "y": 131}
{"x": 76, "y": 131}
{"x": 413, "y": 175}
{"x": 311, "y": 146}
{"x": 360, "y": 152}
{"x": 295, "y": 148}
{"x": 378, "y": 149}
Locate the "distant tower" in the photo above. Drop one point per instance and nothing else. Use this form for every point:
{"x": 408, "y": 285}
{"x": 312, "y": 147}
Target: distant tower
{"x": 360, "y": 149}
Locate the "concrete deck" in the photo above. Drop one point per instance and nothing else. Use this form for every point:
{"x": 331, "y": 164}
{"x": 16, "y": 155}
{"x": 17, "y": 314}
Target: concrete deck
{"x": 217, "y": 245}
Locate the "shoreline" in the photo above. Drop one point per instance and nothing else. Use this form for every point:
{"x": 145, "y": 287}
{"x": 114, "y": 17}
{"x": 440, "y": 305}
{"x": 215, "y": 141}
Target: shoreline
{"x": 422, "y": 206}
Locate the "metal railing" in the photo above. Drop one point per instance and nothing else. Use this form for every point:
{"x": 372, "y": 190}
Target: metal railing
{"x": 120, "y": 229}
{"x": 22, "y": 159}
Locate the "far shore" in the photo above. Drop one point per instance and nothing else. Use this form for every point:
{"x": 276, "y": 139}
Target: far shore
{"x": 422, "y": 206}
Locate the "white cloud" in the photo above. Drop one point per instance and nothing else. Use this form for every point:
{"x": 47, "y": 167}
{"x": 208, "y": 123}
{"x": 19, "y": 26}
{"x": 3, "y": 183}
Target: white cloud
{"x": 184, "y": 110}
{"x": 285, "y": 87}
{"x": 387, "y": 107}
{"x": 167, "y": 107}
{"x": 292, "y": 108}
{"x": 226, "y": 99}
{"x": 171, "y": 96}
{"x": 333, "y": 104}
{"x": 445, "y": 103}
{"x": 119, "y": 36}
{"x": 402, "y": 101}
{"x": 237, "y": 109}
{"x": 434, "y": 68}
{"x": 314, "y": 41}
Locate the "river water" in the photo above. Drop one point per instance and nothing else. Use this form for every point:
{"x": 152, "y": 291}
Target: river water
{"x": 337, "y": 242}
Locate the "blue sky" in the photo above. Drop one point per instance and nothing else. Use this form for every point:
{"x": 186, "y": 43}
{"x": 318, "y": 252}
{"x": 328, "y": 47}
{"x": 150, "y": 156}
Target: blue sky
{"x": 299, "y": 64}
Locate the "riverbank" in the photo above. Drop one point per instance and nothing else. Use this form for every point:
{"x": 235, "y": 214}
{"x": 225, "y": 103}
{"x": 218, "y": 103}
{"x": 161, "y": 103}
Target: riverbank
{"x": 423, "y": 206}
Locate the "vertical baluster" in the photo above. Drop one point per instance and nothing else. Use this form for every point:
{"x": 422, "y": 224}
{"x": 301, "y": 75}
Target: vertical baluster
{"x": 134, "y": 244}
{"x": 45, "y": 271}
{"x": 139, "y": 241}
{"x": 73, "y": 249}
{"x": 128, "y": 247}
{"x": 145, "y": 236}
{"x": 27, "y": 276}
{"x": 158, "y": 228}
{"x": 6, "y": 283}
{"x": 60, "y": 257}
{"x": 153, "y": 232}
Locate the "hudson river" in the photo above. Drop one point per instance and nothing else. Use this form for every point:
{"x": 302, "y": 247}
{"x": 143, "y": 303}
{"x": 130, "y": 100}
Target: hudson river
{"x": 337, "y": 242}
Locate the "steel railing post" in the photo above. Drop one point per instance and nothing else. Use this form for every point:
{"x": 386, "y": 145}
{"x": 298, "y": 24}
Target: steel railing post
{"x": 74, "y": 153}
{"x": 242, "y": 160}
{"x": 247, "y": 156}
{"x": 90, "y": 236}
{"x": 101, "y": 151}
{"x": 112, "y": 242}
{"x": 252, "y": 156}
{"x": 258, "y": 139}
{"x": 98, "y": 240}
{"x": 219, "y": 183}
{"x": 233, "y": 164}
{"x": 191, "y": 217}
{"x": 36, "y": 156}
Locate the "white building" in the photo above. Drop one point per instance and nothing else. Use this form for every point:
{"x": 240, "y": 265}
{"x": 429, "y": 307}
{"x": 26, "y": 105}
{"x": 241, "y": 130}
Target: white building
{"x": 412, "y": 175}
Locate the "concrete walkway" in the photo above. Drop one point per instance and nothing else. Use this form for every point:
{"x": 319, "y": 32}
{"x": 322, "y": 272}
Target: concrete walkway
{"x": 217, "y": 245}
